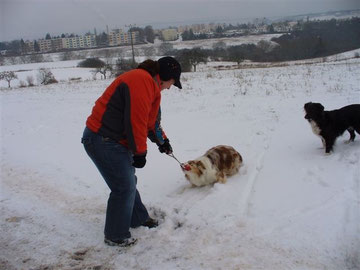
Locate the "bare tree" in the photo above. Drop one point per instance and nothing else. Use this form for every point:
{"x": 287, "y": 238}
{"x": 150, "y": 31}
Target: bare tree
{"x": 149, "y": 33}
{"x": 45, "y": 76}
{"x": 191, "y": 58}
{"x": 149, "y": 51}
{"x": 107, "y": 53}
{"x": 8, "y": 76}
{"x": 80, "y": 55}
{"x": 119, "y": 53}
{"x": 265, "y": 45}
{"x": 122, "y": 65}
{"x": 23, "y": 59}
{"x": 13, "y": 60}
{"x": 36, "y": 58}
{"x": 68, "y": 55}
{"x": 219, "y": 45}
{"x": 235, "y": 54}
{"x": 104, "y": 70}
{"x": 165, "y": 47}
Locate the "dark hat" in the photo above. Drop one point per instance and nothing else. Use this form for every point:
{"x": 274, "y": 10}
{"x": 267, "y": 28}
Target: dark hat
{"x": 170, "y": 69}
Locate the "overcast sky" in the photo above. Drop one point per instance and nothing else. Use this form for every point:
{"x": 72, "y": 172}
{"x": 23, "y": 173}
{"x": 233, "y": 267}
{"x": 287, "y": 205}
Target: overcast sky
{"x": 32, "y": 19}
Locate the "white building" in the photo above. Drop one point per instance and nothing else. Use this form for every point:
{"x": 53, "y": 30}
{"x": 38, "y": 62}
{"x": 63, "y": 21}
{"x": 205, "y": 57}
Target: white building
{"x": 169, "y": 34}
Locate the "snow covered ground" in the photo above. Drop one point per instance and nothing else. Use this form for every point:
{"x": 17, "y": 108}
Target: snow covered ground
{"x": 290, "y": 207}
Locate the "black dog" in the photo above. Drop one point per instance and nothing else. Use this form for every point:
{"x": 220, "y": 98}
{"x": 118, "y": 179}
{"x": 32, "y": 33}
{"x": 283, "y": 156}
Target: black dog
{"x": 331, "y": 124}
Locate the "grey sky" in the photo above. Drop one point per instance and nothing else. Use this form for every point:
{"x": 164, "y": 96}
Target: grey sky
{"x": 32, "y": 19}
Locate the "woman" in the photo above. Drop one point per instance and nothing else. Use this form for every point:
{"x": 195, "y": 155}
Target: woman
{"x": 115, "y": 139}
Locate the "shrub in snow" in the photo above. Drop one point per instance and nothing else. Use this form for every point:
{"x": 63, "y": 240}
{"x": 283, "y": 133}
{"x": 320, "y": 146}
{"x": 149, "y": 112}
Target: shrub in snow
{"x": 75, "y": 79}
{"x": 22, "y": 84}
{"x": 92, "y": 63}
{"x": 30, "y": 80}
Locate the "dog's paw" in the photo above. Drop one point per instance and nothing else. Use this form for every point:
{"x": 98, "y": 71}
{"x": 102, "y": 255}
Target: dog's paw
{"x": 221, "y": 178}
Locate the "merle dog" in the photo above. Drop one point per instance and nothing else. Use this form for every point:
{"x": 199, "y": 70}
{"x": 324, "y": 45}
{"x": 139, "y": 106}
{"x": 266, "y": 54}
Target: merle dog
{"x": 214, "y": 166}
{"x": 331, "y": 124}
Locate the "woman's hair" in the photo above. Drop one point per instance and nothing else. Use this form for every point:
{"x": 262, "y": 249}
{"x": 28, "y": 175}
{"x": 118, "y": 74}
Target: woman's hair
{"x": 150, "y": 66}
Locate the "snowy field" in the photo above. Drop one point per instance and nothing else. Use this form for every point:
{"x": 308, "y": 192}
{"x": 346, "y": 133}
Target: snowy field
{"x": 290, "y": 207}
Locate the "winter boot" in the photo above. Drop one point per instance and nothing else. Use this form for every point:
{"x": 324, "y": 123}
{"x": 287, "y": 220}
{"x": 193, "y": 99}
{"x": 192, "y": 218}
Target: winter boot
{"x": 127, "y": 242}
{"x": 150, "y": 223}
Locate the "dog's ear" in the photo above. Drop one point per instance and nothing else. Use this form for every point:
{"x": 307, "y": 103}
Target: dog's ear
{"x": 307, "y": 105}
{"x": 320, "y": 107}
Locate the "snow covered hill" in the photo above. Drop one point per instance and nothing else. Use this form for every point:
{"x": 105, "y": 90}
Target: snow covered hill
{"x": 290, "y": 207}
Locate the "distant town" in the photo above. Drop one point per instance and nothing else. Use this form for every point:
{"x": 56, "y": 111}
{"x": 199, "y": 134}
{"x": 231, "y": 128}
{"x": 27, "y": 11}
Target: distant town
{"x": 119, "y": 37}
{"x": 137, "y": 35}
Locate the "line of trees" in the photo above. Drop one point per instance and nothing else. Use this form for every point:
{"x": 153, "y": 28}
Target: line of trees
{"x": 220, "y": 31}
{"x": 314, "y": 39}
{"x": 44, "y": 76}
{"x": 317, "y": 39}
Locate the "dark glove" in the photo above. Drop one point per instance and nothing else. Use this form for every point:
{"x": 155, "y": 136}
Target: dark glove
{"x": 139, "y": 161}
{"x": 165, "y": 147}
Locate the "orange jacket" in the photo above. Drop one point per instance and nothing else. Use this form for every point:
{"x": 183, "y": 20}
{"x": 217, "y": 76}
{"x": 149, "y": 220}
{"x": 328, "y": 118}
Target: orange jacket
{"x": 128, "y": 110}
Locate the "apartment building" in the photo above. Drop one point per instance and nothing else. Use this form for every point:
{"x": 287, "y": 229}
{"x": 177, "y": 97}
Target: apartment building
{"x": 29, "y": 47}
{"x": 119, "y": 37}
{"x": 45, "y": 45}
{"x": 78, "y": 42}
{"x": 90, "y": 41}
{"x": 49, "y": 45}
{"x": 58, "y": 44}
